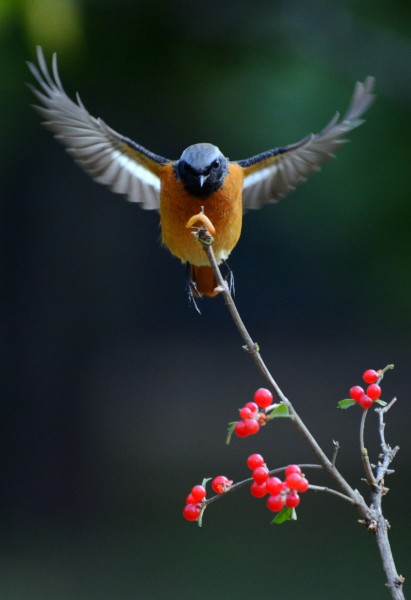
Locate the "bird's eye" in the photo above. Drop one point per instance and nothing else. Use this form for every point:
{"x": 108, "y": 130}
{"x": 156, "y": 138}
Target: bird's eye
{"x": 216, "y": 164}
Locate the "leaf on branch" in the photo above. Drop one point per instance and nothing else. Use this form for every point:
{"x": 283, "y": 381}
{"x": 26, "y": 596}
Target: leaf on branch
{"x": 279, "y": 411}
{"x": 380, "y": 402}
{"x": 230, "y": 431}
{"x": 286, "y": 514}
{"x": 346, "y": 403}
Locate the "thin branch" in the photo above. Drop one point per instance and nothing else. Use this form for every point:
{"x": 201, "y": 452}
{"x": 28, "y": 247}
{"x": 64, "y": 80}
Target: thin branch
{"x": 364, "y": 453}
{"x": 254, "y": 351}
{"x": 240, "y": 484}
{"x": 372, "y": 517}
{"x": 315, "y": 488}
{"x": 336, "y": 448}
{"x": 320, "y": 488}
{"x": 388, "y": 453}
{"x": 394, "y": 579}
{"x": 381, "y": 412}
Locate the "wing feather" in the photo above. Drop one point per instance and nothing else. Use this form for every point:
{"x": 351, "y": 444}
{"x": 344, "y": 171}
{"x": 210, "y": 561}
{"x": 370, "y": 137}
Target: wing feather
{"x": 109, "y": 157}
{"x": 271, "y": 175}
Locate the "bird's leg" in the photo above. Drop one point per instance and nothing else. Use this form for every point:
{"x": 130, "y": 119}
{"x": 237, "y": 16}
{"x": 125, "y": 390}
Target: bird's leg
{"x": 192, "y": 291}
{"x": 229, "y": 278}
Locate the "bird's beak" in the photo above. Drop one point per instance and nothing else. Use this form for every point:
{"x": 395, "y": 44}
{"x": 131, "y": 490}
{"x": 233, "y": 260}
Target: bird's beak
{"x": 201, "y": 179}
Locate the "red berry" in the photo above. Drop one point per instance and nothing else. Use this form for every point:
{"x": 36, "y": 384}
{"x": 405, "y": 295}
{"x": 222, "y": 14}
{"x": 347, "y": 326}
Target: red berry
{"x": 221, "y": 484}
{"x": 292, "y": 469}
{"x": 240, "y": 429}
{"x": 263, "y": 397}
{"x": 304, "y": 485}
{"x": 254, "y": 461}
{"x": 245, "y": 412}
{"x": 258, "y": 490}
{"x": 293, "y": 481}
{"x": 191, "y": 512}
{"x": 365, "y": 401}
{"x": 260, "y": 475}
{"x": 252, "y": 406}
{"x": 190, "y": 499}
{"x": 292, "y": 500}
{"x": 252, "y": 426}
{"x": 274, "y": 485}
{"x": 356, "y": 392}
{"x": 275, "y": 503}
{"x": 370, "y": 376}
{"x": 374, "y": 391}
{"x": 198, "y": 492}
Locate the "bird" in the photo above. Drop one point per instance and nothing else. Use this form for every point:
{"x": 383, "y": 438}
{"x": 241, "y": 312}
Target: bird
{"x": 202, "y": 181}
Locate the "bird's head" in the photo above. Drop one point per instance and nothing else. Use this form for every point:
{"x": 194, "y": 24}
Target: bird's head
{"x": 202, "y": 169}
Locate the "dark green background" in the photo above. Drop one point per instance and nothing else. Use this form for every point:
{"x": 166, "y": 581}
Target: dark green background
{"x": 115, "y": 394}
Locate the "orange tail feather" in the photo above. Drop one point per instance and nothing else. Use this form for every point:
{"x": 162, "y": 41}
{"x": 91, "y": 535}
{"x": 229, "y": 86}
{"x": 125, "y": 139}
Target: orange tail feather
{"x": 204, "y": 279}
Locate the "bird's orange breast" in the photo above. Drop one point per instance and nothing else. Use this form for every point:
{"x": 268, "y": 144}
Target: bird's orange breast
{"x": 223, "y": 208}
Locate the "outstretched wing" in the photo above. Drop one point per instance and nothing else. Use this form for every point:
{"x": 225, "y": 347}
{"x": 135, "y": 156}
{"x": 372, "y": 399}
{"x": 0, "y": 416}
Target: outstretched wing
{"x": 106, "y": 155}
{"x": 271, "y": 175}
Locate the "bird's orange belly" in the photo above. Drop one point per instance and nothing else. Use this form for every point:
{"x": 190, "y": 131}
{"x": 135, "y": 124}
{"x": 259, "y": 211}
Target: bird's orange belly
{"x": 223, "y": 208}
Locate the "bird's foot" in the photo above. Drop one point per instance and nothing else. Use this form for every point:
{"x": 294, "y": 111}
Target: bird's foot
{"x": 192, "y": 291}
{"x": 229, "y": 279}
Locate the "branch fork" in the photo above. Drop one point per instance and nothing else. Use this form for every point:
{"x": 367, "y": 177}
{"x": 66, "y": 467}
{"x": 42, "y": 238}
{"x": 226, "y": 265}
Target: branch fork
{"x": 370, "y": 516}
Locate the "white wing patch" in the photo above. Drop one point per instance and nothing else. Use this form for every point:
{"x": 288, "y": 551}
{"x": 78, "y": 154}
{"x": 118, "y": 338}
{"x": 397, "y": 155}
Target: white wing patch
{"x": 136, "y": 170}
{"x": 258, "y": 176}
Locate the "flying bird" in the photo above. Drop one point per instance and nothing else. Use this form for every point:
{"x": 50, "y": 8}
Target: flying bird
{"x": 202, "y": 180}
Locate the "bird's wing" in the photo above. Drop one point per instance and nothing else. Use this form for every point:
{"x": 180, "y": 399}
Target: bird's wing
{"x": 106, "y": 155}
{"x": 271, "y": 175}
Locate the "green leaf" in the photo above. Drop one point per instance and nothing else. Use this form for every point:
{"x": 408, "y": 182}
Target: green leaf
{"x": 284, "y": 515}
{"x": 281, "y": 410}
{"x": 230, "y": 431}
{"x": 346, "y": 403}
{"x": 380, "y": 402}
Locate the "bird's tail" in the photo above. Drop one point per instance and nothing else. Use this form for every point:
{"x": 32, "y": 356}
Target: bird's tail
{"x": 204, "y": 280}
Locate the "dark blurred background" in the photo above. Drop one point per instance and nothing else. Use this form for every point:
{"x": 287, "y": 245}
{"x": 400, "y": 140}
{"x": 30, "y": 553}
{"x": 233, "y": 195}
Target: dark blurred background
{"x": 115, "y": 393}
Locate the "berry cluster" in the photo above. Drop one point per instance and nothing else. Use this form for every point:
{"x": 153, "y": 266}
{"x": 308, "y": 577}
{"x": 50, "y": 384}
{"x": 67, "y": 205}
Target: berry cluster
{"x": 281, "y": 494}
{"x": 195, "y": 500}
{"x": 251, "y": 416}
{"x": 365, "y": 398}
